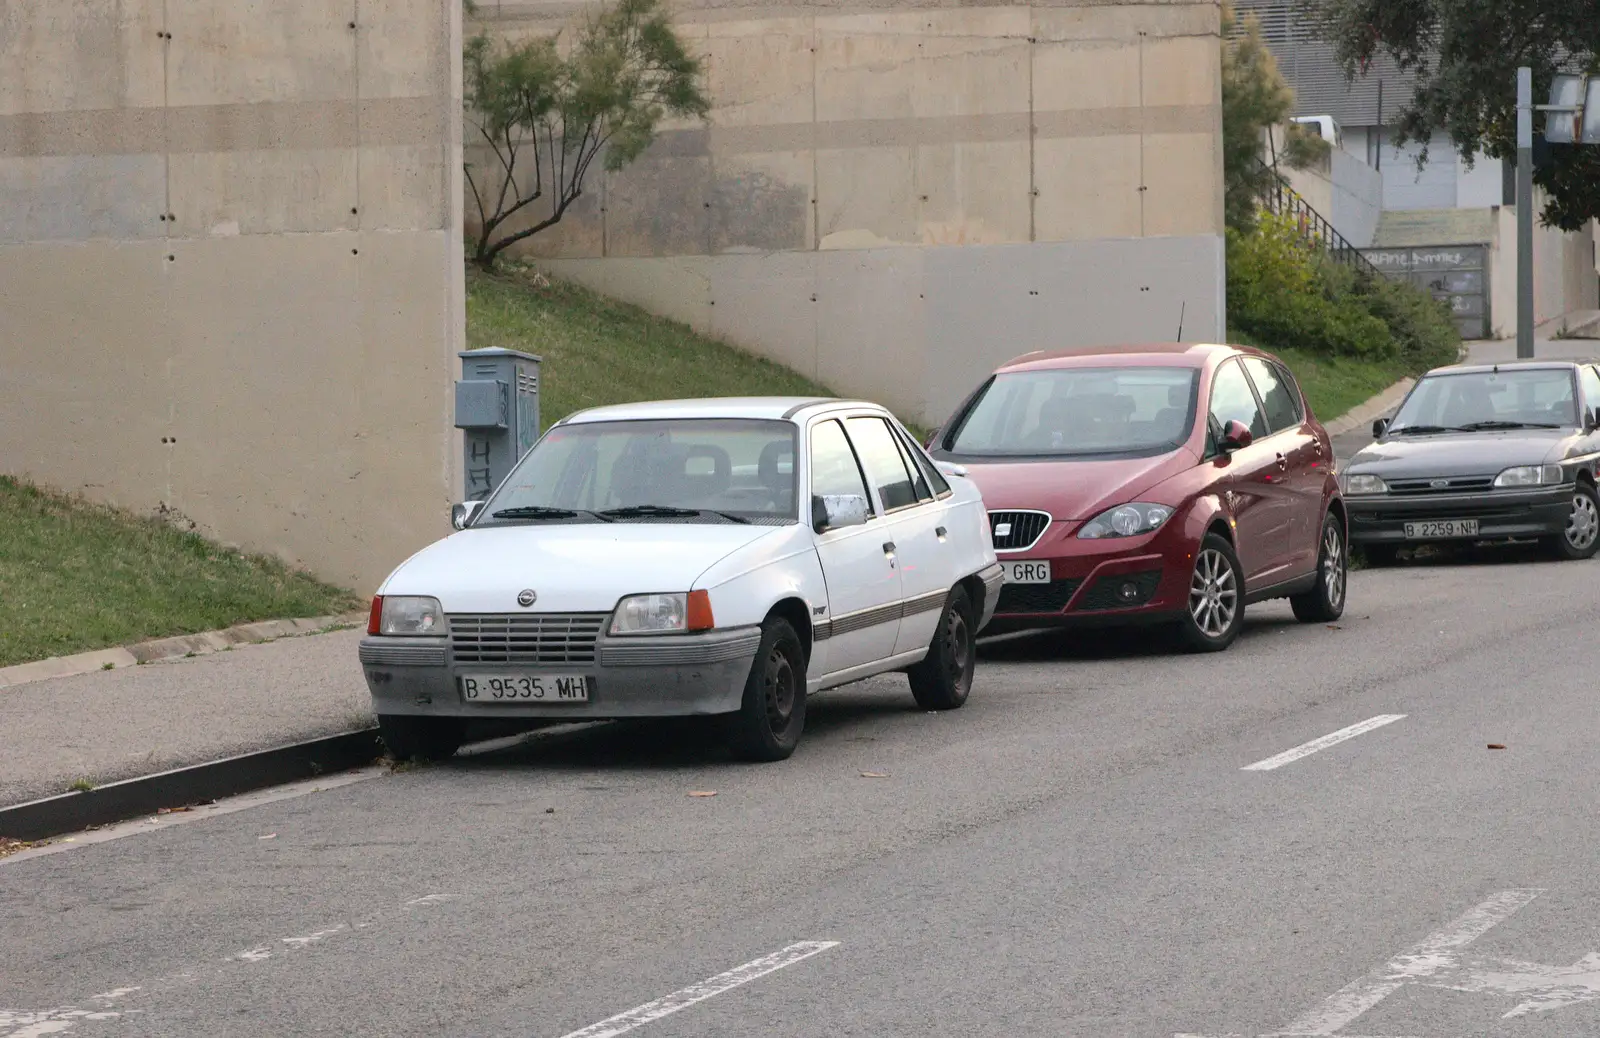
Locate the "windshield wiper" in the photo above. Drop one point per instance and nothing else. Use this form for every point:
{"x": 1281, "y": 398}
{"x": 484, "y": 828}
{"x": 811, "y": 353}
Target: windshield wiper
{"x": 668, "y": 512}
{"x": 1499, "y": 424}
{"x": 1426, "y": 429}
{"x": 544, "y": 512}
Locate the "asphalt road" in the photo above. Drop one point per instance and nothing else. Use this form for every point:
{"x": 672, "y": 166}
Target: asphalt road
{"x": 1082, "y": 850}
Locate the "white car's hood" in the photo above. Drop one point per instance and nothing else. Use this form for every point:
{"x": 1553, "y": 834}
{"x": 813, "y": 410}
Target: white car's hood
{"x": 575, "y": 568}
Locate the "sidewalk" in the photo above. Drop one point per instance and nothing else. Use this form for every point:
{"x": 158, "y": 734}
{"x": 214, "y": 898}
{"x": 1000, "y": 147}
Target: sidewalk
{"x": 1483, "y": 352}
{"x": 110, "y": 725}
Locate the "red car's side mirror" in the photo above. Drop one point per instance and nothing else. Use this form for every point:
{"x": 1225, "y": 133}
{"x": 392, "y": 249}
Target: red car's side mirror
{"x": 1236, "y": 436}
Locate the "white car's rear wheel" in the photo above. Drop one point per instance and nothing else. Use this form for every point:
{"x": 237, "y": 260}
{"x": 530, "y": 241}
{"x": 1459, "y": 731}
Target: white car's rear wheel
{"x": 943, "y": 679}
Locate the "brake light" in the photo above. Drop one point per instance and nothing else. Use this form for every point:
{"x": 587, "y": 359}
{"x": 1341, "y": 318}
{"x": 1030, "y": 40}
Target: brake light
{"x": 375, "y": 615}
{"x": 700, "y": 618}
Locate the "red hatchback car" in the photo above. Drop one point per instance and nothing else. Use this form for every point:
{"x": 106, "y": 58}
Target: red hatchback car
{"x": 1169, "y": 483}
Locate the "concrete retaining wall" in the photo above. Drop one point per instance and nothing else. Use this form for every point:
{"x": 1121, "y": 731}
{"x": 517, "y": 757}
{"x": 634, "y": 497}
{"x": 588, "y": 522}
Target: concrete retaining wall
{"x": 230, "y": 277}
{"x": 895, "y": 197}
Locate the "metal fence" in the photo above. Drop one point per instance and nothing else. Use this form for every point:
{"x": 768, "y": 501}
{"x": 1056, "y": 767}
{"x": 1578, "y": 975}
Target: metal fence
{"x": 1284, "y": 200}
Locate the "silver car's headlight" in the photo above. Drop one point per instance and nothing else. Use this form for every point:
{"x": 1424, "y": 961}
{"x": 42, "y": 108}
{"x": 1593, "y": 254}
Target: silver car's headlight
{"x": 1126, "y": 521}
{"x": 409, "y": 616}
{"x": 1530, "y": 476}
{"x": 663, "y": 614}
{"x": 1359, "y": 484}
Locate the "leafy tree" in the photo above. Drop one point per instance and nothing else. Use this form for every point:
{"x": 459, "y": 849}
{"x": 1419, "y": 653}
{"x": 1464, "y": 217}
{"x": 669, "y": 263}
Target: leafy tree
{"x": 546, "y": 113}
{"x": 1255, "y": 97}
{"x": 1465, "y": 54}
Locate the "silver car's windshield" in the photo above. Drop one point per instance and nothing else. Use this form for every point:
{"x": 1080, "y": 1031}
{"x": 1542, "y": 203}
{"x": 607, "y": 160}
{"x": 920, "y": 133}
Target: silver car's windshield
{"x": 684, "y": 470}
{"x": 1475, "y": 400}
{"x": 1080, "y": 411}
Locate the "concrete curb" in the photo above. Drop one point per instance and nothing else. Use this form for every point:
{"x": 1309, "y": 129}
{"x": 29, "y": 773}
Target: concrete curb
{"x": 183, "y": 787}
{"x": 172, "y": 648}
{"x": 1375, "y": 407}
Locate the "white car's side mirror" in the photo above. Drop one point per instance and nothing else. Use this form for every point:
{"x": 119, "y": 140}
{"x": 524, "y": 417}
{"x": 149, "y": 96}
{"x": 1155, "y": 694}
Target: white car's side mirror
{"x": 836, "y": 511}
{"x": 462, "y": 514}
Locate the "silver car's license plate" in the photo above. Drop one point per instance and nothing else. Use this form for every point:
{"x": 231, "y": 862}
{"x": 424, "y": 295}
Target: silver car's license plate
{"x": 1027, "y": 572}
{"x": 1439, "y": 528}
{"x": 524, "y": 688}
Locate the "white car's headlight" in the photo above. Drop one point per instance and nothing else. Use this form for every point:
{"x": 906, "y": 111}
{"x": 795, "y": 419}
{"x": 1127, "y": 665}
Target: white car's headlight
{"x": 406, "y": 615}
{"x": 1126, "y": 521}
{"x": 1529, "y": 476}
{"x": 1360, "y": 484}
{"x": 663, "y": 614}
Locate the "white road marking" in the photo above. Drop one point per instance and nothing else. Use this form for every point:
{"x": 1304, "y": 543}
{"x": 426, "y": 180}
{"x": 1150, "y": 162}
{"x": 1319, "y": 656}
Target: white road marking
{"x": 1306, "y": 749}
{"x": 708, "y": 988}
{"x": 1438, "y": 961}
{"x": 61, "y": 1019}
{"x": 312, "y": 938}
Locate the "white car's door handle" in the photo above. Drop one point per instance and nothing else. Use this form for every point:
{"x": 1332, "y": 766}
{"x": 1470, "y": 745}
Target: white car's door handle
{"x": 940, "y": 532}
{"x": 888, "y": 547}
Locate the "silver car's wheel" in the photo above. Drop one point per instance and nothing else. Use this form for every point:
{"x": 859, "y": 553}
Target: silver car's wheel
{"x": 1583, "y": 522}
{"x": 1580, "y": 537}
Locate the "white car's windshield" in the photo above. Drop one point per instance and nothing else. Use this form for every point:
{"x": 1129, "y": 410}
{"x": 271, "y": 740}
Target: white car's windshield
{"x": 1511, "y": 399}
{"x": 1080, "y": 411}
{"x": 712, "y": 470}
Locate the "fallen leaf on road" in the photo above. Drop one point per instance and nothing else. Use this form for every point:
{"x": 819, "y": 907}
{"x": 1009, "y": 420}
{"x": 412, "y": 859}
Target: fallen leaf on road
{"x": 1335, "y": 627}
{"x": 549, "y": 810}
{"x": 873, "y": 774}
{"x": 703, "y": 793}
{"x": 269, "y": 836}
{"x": 1497, "y": 746}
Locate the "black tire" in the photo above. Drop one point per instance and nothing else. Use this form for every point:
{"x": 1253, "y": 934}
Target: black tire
{"x": 1380, "y": 556}
{"x": 943, "y": 678}
{"x": 1324, "y": 603}
{"x": 410, "y": 737}
{"x": 773, "y": 713}
{"x": 1581, "y": 538}
{"x": 1215, "y": 612}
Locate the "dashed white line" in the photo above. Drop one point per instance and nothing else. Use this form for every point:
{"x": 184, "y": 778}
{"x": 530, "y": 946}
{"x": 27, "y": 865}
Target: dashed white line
{"x": 708, "y": 988}
{"x": 1306, "y": 749}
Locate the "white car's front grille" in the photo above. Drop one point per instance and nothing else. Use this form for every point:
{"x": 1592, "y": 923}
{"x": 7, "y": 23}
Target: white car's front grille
{"x": 525, "y": 638}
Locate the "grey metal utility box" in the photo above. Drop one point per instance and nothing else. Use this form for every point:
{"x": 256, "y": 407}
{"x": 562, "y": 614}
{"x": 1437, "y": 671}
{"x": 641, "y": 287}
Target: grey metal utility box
{"x": 497, "y": 410}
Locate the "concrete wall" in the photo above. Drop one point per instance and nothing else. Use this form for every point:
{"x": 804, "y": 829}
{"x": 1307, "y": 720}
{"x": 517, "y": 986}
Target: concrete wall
{"x": 1345, "y": 190}
{"x": 895, "y": 197}
{"x": 230, "y": 278}
{"x": 1564, "y": 277}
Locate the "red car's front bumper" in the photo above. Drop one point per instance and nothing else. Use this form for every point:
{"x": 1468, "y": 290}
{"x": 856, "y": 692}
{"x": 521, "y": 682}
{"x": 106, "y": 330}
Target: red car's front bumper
{"x": 1098, "y": 582}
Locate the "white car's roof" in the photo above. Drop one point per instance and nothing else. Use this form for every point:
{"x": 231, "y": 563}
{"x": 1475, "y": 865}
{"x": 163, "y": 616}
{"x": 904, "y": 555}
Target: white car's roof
{"x": 769, "y": 407}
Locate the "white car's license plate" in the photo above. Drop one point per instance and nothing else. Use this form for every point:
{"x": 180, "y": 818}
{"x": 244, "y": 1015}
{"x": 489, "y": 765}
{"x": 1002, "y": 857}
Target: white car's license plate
{"x": 1027, "y": 572}
{"x": 524, "y": 688}
{"x": 1441, "y": 528}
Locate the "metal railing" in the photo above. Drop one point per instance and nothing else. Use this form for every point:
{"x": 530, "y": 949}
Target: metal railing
{"x": 1281, "y": 199}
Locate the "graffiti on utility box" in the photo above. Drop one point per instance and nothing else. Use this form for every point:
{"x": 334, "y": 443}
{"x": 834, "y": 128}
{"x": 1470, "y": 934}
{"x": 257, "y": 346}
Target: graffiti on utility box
{"x": 1456, "y": 275}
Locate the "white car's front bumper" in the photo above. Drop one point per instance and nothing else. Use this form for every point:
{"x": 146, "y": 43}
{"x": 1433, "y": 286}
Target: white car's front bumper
{"x": 655, "y": 676}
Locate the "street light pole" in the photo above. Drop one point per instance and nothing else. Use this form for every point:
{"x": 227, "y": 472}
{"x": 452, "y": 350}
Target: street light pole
{"x": 1525, "y": 212}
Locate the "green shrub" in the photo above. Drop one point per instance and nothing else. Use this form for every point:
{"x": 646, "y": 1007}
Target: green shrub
{"x": 1423, "y": 327}
{"x": 1284, "y": 290}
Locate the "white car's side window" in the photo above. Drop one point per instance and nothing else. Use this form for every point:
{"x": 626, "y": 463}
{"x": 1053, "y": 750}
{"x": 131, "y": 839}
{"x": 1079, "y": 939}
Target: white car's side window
{"x": 883, "y": 462}
{"x": 834, "y": 469}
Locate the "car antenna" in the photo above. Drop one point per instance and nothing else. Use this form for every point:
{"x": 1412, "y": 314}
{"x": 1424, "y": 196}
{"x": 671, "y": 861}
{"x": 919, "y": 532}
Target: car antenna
{"x": 1180, "y": 319}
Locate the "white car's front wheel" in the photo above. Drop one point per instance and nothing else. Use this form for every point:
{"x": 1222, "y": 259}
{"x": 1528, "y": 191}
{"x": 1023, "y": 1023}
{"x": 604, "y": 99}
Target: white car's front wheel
{"x": 773, "y": 712}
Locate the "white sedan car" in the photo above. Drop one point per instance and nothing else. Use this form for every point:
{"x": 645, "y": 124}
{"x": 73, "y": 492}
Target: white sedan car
{"x": 696, "y": 557}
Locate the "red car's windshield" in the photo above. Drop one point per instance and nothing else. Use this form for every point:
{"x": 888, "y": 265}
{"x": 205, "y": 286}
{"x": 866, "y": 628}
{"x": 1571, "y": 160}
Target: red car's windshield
{"x": 1078, "y": 411}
